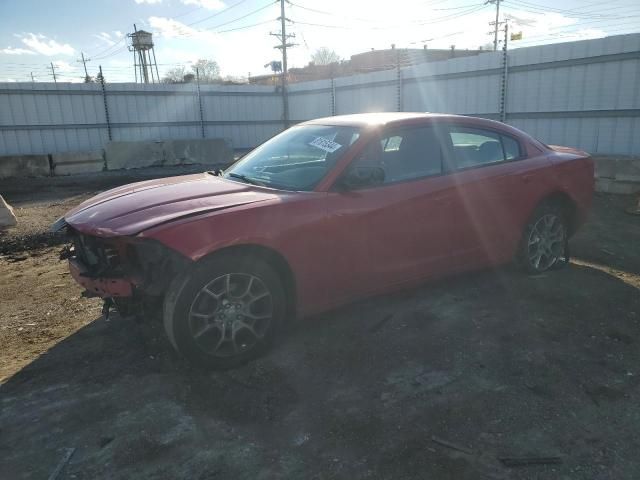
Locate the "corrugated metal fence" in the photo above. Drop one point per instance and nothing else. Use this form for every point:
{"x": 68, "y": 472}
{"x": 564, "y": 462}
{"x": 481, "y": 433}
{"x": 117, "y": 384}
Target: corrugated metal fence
{"x": 584, "y": 94}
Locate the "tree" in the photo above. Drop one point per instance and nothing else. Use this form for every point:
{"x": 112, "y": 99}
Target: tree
{"x": 208, "y": 70}
{"x": 174, "y": 75}
{"x": 324, "y": 56}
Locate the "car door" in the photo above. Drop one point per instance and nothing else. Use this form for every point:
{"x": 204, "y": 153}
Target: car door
{"x": 494, "y": 180}
{"x": 399, "y": 229}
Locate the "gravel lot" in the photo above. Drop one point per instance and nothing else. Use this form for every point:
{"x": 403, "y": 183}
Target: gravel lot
{"x": 439, "y": 382}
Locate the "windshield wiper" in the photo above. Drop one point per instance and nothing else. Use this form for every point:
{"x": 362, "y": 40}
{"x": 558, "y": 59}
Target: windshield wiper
{"x": 244, "y": 178}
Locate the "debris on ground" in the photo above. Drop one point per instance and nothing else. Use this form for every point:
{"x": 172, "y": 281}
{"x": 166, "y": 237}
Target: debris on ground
{"x": 448, "y": 444}
{"x": 380, "y": 323}
{"x": 7, "y": 216}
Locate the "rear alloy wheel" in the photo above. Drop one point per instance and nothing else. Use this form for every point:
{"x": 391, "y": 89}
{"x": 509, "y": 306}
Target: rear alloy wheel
{"x": 545, "y": 240}
{"x": 225, "y": 313}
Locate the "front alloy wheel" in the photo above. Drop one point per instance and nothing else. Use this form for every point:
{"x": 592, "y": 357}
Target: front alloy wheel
{"x": 231, "y": 314}
{"x": 225, "y": 311}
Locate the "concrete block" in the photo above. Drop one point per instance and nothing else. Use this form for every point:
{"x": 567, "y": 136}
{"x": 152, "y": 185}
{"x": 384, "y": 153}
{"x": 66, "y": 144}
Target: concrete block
{"x": 7, "y": 216}
{"x": 24, "y": 166}
{"x": 608, "y": 185}
{"x": 127, "y": 155}
{"x": 71, "y": 163}
{"x": 605, "y": 167}
{"x": 205, "y": 151}
{"x": 628, "y": 170}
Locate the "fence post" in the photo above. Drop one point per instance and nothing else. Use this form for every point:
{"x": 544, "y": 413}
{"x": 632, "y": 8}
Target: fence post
{"x": 505, "y": 72}
{"x": 333, "y": 96}
{"x": 399, "y": 105}
{"x": 200, "y": 102}
{"x": 106, "y": 107}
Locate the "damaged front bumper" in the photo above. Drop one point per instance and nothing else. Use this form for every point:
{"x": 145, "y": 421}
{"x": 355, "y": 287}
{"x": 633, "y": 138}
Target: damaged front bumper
{"x": 102, "y": 287}
{"x": 120, "y": 267}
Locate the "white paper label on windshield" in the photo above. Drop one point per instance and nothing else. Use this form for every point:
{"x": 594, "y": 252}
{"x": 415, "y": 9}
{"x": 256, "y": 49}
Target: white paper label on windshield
{"x": 325, "y": 144}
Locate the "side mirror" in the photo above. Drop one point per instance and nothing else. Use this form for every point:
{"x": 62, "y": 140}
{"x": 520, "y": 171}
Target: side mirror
{"x": 362, "y": 176}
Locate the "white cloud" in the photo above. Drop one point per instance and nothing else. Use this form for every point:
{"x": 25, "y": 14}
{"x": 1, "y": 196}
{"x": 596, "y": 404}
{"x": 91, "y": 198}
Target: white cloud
{"x": 44, "y": 46}
{"x": 208, "y": 4}
{"x": 17, "y": 51}
{"x": 118, "y": 34}
{"x": 150, "y": 2}
{"x": 105, "y": 37}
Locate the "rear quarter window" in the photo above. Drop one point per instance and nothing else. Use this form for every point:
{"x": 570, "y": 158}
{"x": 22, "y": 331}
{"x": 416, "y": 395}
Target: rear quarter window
{"x": 473, "y": 147}
{"x": 511, "y": 148}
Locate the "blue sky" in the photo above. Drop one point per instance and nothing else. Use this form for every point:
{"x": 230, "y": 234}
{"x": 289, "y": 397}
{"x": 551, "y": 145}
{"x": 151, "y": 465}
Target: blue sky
{"x": 235, "y": 33}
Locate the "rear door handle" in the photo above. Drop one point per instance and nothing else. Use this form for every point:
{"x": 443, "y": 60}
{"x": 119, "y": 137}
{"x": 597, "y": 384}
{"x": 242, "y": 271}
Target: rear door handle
{"x": 527, "y": 178}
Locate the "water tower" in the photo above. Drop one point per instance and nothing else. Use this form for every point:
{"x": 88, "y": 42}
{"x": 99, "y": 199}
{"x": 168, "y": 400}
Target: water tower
{"x": 144, "y": 56}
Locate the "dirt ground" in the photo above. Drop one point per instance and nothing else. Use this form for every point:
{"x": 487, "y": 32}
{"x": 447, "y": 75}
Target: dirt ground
{"x": 439, "y": 382}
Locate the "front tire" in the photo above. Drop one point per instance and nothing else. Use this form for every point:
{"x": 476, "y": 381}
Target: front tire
{"x": 544, "y": 242}
{"x": 225, "y": 311}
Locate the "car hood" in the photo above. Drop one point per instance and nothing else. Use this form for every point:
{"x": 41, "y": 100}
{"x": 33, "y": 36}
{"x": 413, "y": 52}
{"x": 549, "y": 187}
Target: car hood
{"x": 130, "y": 209}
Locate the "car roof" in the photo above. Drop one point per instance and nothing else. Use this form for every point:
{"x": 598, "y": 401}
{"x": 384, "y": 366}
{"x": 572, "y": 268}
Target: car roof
{"x": 377, "y": 119}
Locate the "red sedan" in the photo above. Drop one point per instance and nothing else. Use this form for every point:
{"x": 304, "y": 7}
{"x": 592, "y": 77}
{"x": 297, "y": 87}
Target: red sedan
{"x": 324, "y": 213}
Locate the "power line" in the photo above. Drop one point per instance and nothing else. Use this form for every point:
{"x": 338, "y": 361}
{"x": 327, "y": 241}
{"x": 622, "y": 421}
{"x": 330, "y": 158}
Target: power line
{"x": 243, "y": 16}
{"x": 246, "y": 26}
{"x": 109, "y": 48}
{"x": 568, "y": 28}
{"x": 574, "y": 34}
{"x": 331, "y": 14}
{"x": 457, "y": 8}
{"x": 216, "y": 14}
{"x": 527, "y": 7}
{"x": 253, "y": 12}
{"x": 436, "y": 38}
{"x": 470, "y": 9}
{"x": 115, "y": 52}
{"x": 443, "y": 19}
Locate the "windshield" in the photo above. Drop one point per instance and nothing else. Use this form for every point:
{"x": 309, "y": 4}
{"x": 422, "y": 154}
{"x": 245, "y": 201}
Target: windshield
{"x": 297, "y": 159}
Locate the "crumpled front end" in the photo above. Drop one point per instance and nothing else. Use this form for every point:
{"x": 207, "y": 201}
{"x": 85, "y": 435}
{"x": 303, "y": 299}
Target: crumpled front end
{"x": 103, "y": 268}
{"x": 118, "y": 267}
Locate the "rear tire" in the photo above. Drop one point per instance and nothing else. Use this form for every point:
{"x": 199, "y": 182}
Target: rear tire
{"x": 544, "y": 241}
{"x": 224, "y": 311}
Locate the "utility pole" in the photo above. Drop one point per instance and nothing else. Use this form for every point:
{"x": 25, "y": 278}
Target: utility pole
{"x": 53, "y": 71}
{"x": 32, "y": 80}
{"x": 283, "y": 37}
{"x": 495, "y": 24}
{"x": 87, "y": 78}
